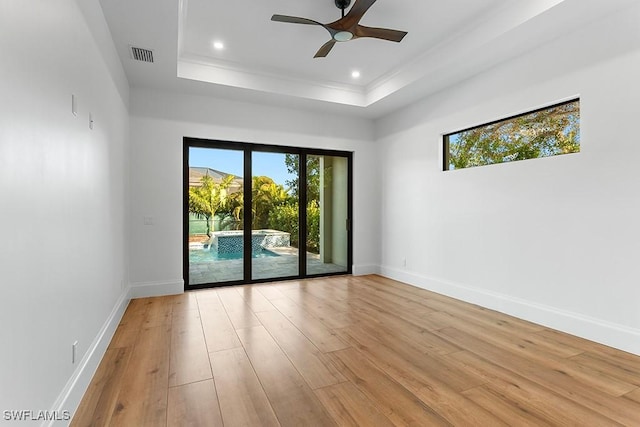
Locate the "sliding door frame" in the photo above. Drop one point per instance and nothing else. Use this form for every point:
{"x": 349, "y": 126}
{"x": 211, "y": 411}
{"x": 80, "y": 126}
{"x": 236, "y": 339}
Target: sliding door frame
{"x": 248, "y": 149}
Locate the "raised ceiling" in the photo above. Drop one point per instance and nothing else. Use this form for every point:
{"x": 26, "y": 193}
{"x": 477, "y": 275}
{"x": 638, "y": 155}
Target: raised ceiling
{"x": 265, "y": 61}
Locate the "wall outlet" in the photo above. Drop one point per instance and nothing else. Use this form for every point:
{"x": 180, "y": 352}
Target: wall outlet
{"x": 147, "y": 220}
{"x": 74, "y": 349}
{"x": 404, "y": 262}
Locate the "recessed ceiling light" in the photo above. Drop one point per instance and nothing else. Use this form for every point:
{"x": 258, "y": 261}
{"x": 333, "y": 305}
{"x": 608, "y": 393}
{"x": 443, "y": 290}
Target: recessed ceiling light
{"x": 218, "y": 45}
{"x": 355, "y": 74}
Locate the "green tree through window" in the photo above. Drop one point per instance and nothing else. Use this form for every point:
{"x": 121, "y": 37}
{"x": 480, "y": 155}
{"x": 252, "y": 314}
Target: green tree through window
{"x": 545, "y": 132}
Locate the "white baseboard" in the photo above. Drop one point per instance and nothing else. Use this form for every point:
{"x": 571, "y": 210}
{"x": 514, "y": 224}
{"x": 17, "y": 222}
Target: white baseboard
{"x": 156, "y": 289}
{"x": 71, "y": 395}
{"x": 615, "y": 335}
{"x": 363, "y": 270}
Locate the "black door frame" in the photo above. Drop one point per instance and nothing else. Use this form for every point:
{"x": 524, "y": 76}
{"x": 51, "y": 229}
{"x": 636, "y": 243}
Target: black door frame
{"x": 248, "y": 149}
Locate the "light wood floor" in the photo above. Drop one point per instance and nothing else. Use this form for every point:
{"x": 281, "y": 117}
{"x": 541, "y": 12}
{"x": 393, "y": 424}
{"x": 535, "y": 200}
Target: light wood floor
{"x": 362, "y": 351}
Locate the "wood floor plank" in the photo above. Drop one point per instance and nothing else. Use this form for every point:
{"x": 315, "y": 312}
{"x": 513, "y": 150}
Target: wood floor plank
{"x": 623, "y": 370}
{"x": 528, "y": 349}
{"x": 372, "y": 304}
{"x": 184, "y": 303}
{"x": 321, "y": 336}
{"x": 365, "y": 311}
{"x": 96, "y": 408}
{"x": 134, "y": 317}
{"x": 414, "y": 368}
{"x": 307, "y": 292}
{"x": 527, "y": 339}
{"x": 189, "y": 355}
{"x": 243, "y": 401}
{"x": 428, "y": 379}
{"x": 560, "y": 349}
{"x": 592, "y": 347}
{"x": 142, "y": 400}
{"x": 398, "y": 288}
{"x": 203, "y": 295}
{"x": 269, "y": 291}
{"x": 136, "y": 307}
{"x": 398, "y": 327}
{"x": 349, "y": 407}
{"x": 557, "y": 381}
{"x": 509, "y": 411}
{"x": 328, "y": 315}
{"x": 388, "y": 300}
{"x": 239, "y": 312}
{"x": 219, "y": 332}
{"x": 254, "y": 299}
{"x": 126, "y": 334}
{"x": 292, "y": 399}
{"x": 184, "y": 306}
{"x": 336, "y": 295}
{"x": 194, "y": 404}
{"x": 414, "y": 292}
{"x": 289, "y": 284}
{"x": 159, "y": 311}
{"x": 314, "y": 367}
{"x": 402, "y": 407}
{"x": 483, "y": 316}
{"x": 530, "y": 397}
{"x": 634, "y": 395}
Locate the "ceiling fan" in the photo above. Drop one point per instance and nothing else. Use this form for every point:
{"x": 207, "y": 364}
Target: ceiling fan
{"x": 346, "y": 28}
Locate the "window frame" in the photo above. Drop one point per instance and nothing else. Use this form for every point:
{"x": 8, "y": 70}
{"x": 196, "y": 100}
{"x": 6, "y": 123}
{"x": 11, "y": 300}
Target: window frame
{"x": 249, "y": 148}
{"x": 446, "y": 153}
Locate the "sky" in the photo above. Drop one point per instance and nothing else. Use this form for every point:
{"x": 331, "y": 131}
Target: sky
{"x": 231, "y": 162}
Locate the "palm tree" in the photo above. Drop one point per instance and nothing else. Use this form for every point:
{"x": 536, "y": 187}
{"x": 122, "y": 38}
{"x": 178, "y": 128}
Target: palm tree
{"x": 209, "y": 198}
{"x": 235, "y": 206}
{"x": 266, "y": 195}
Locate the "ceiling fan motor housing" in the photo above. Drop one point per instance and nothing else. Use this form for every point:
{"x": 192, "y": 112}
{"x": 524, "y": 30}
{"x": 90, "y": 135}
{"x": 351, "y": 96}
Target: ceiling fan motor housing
{"x": 346, "y": 28}
{"x": 343, "y": 4}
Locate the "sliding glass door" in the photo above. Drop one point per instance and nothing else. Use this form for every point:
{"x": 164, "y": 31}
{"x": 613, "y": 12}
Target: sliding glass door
{"x": 275, "y": 215}
{"x": 256, "y": 213}
{"x": 215, "y": 245}
{"x": 327, "y": 214}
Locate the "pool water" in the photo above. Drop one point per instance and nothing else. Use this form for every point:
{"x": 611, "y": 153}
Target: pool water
{"x": 204, "y": 255}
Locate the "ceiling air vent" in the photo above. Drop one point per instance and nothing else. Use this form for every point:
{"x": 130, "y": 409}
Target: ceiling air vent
{"x": 140, "y": 54}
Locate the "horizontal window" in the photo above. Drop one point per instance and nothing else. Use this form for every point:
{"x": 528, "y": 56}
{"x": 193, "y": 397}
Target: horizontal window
{"x": 545, "y": 132}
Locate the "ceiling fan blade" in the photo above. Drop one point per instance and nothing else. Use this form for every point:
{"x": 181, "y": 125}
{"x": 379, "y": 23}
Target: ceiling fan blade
{"x": 356, "y": 13}
{"x": 325, "y": 49}
{"x": 379, "y": 33}
{"x": 295, "y": 20}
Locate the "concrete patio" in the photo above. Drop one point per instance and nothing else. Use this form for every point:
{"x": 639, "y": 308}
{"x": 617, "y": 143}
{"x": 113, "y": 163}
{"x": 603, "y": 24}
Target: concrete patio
{"x": 283, "y": 265}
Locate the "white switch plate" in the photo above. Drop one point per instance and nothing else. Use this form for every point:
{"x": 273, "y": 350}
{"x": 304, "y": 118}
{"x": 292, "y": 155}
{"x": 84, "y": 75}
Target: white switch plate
{"x": 74, "y": 105}
{"x": 90, "y": 121}
{"x": 74, "y": 348}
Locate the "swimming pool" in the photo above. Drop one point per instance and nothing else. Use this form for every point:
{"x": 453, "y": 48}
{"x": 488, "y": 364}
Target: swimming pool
{"x": 205, "y": 255}
{"x": 232, "y": 241}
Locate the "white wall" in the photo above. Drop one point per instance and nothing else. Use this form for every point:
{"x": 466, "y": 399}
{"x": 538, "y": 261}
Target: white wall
{"x": 159, "y": 121}
{"x": 63, "y": 255}
{"x": 553, "y": 240}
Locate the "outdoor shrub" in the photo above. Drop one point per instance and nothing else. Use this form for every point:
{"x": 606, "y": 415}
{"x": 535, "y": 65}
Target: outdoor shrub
{"x": 285, "y": 218}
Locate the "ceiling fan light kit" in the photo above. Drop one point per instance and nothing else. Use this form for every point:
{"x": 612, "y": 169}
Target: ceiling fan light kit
{"x": 346, "y": 28}
{"x": 342, "y": 36}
